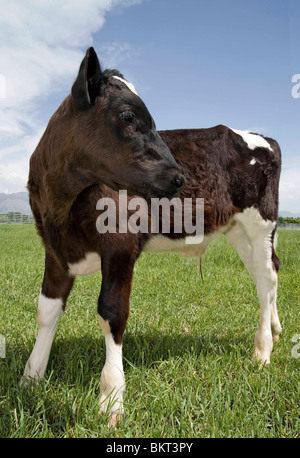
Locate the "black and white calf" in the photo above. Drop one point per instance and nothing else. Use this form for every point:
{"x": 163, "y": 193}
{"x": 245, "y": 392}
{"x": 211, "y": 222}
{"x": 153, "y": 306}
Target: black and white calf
{"x": 92, "y": 149}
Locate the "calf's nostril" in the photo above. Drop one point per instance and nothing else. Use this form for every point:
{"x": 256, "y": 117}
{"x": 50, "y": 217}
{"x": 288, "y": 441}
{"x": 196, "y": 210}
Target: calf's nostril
{"x": 178, "y": 181}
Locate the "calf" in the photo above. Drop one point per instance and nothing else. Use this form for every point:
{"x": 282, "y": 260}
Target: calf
{"x": 237, "y": 174}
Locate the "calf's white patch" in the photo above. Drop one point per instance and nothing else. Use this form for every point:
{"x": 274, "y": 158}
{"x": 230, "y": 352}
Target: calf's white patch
{"x": 253, "y": 140}
{"x": 86, "y": 266}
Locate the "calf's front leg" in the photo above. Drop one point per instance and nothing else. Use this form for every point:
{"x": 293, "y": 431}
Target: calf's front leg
{"x": 113, "y": 309}
{"x": 55, "y": 290}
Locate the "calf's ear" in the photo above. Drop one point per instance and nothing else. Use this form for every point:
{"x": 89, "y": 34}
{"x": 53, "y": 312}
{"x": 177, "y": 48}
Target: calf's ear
{"x": 88, "y": 81}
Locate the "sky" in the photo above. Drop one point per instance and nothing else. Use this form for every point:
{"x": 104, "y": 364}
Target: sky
{"x": 195, "y": 64}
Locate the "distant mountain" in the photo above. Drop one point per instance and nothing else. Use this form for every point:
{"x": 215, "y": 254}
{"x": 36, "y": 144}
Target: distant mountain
{"x": 16, "y": 202}
{"x": 19, "y": 202}
{"x": 287, "y": 214}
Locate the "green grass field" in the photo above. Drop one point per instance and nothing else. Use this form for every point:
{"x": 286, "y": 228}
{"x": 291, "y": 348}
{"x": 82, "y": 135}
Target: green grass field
{"x": 187, "y": 349}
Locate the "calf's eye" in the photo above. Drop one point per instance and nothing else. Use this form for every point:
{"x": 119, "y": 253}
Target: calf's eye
{"x": 127, "y": 116}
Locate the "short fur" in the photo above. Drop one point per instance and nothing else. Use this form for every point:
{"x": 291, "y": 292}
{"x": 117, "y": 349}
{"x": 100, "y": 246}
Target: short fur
{"x": 67, "y": 178}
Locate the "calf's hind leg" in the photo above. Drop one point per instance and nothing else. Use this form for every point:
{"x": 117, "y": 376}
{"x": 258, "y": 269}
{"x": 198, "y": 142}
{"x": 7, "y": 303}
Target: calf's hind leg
{"x": 56, "y": 287}
{"x": 253, "y": 238}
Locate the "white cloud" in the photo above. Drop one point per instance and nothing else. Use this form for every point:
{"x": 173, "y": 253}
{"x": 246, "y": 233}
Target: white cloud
{"x": 41, "y": 47}
{"x": 14, "y": 162}
{"x": 113, "y": 53}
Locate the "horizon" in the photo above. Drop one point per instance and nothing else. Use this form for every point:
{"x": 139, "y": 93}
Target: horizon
{"x": 195, "y": 65}
{"x": 288, "y": 214}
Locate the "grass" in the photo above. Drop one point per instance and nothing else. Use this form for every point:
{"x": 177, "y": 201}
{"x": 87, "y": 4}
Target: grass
{"x": 187, "y": 349}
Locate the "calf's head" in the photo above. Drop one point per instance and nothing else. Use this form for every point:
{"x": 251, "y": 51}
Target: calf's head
{"x": 117, "y": 137}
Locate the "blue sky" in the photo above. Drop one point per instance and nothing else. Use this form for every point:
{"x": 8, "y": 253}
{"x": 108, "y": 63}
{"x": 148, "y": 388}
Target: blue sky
{"x": 195, "y": 64}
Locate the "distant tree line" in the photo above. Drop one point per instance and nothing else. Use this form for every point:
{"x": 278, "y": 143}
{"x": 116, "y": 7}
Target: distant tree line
{"x": 15, "y": 217}
{"x": 289, "y": 220}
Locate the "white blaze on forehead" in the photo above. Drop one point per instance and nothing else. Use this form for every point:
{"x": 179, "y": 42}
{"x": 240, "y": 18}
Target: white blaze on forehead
{"x": 129, "y": 85}
{"x": 253, "y": 140}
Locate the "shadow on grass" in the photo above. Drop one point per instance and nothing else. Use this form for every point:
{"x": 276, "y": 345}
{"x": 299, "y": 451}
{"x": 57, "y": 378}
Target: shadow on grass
{"x": 77, "y": 359}
{"x": 73, "y": 375}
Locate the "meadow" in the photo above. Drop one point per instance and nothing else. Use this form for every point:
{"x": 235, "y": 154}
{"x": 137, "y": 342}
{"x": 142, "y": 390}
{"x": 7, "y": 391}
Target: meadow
{"x": 187, "y": 349}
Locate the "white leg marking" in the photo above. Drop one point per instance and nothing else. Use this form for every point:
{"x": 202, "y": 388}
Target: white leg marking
{"x": 275, "y": 323}
{"x": 242, "y": 244}
{"x": 112, "y": 382}
{"x": 255, "y": 249}
{"x": 49, "y": 312}
{"x": 266, "y": 289}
